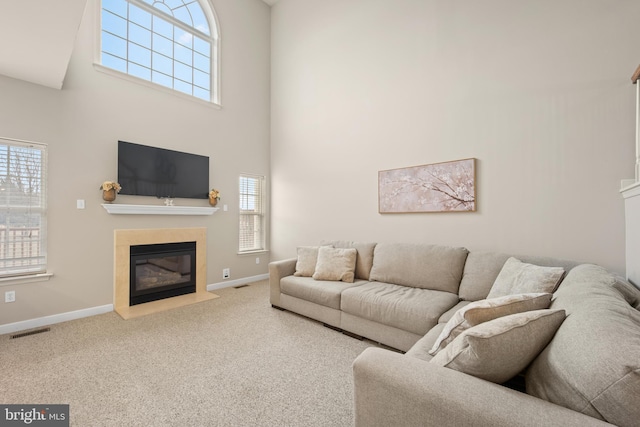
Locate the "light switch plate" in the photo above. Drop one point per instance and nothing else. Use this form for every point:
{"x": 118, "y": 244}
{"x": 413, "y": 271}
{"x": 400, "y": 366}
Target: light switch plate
{"x": 10, "y": 296}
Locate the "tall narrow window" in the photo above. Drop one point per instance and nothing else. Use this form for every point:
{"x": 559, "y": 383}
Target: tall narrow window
{"x": 172, "y": 43}
{"x": 252, "y": 214}
{"x": 23, "y": 233}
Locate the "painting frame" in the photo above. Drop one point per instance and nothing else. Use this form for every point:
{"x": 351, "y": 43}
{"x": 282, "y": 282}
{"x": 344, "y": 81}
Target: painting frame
{"x": 436, "y": 187}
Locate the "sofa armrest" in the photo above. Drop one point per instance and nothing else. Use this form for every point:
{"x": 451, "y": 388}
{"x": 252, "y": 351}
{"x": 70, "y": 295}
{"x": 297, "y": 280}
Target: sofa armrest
{"x": 278, "y": 270}
{"x": 395, "y": 389}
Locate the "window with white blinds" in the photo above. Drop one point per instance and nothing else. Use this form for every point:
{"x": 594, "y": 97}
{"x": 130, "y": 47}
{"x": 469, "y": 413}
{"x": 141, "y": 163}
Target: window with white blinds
{"x": 23, "y": 235}
{"x": 252, "y": 217}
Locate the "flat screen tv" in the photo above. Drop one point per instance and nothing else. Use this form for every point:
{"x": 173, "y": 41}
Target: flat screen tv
{"x": 151, "y": 171}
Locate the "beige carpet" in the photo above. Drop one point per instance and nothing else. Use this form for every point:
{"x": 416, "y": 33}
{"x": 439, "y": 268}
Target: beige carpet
{"x": 232, "y": 361}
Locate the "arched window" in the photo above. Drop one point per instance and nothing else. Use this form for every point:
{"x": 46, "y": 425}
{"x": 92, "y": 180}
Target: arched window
{"x": 172, "y": 43}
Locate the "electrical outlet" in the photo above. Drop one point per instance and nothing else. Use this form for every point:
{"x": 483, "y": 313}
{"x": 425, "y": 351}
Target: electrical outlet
{"x": 226, "y": 273}
{"x": 257, "y": 260}
{"x": 10, "y": 296}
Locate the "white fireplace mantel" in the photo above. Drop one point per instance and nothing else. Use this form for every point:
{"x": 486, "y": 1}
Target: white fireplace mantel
{"x": 120, "y": 209}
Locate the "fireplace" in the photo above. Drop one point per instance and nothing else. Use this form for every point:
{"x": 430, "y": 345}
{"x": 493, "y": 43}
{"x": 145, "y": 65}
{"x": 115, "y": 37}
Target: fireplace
{"x": 133, "y": 243}
{"x": 161, "y": 271}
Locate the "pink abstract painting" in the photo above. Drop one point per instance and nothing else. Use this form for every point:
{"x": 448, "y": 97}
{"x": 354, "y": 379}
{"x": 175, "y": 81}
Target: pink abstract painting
{"x": 438, "y": 187}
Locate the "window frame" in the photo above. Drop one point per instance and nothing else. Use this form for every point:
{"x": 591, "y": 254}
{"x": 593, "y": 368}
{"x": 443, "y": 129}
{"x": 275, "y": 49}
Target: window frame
{"x": 261, "y": 213}
{"x": 213, "y": 39}
{"x": 12, "y": 276}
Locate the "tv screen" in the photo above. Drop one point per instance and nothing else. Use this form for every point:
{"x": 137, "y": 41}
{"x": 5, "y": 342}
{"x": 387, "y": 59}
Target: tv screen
{"x": 151, "y": 171}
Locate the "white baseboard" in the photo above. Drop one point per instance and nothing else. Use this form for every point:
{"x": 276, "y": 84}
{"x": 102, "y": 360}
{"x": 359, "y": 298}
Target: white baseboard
{"x": 78, "y": 314}
{"x": 53, "y": 319}
{"x": 237, "y": 282}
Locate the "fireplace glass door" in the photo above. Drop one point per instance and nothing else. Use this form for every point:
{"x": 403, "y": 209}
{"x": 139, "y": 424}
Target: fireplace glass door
{"x": 161, "y": 271}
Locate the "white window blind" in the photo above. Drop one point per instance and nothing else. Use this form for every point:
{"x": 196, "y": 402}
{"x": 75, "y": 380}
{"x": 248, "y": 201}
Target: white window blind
{"x": 252, "y": 207}
{"x": 23, "y": 234}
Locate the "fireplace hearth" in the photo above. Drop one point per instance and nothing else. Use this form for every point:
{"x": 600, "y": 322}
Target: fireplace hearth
{"x": 161, "y": 271}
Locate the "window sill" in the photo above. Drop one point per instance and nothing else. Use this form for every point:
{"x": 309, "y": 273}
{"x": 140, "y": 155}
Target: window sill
{"x": 27, "y": 278}
{"x": 257, "y": 251}
{"x": 115, "y": 73}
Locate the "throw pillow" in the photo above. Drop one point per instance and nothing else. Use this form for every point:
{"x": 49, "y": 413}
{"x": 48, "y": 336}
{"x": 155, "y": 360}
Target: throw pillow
{"x": 485, "y": 310}
{"x": 501, "y": 348}
{"x": 336, "y": 264}
{"x": 517, "y": 277}
{"x": 364, "y": 258}
{"x": 307, "y": 259}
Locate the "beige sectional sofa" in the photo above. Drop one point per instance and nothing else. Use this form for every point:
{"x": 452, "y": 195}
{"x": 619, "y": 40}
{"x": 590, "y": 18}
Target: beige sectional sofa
{"x": 584, "y": 347}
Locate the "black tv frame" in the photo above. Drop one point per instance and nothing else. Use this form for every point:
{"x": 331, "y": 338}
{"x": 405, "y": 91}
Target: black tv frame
{"x": 145, "y": 170}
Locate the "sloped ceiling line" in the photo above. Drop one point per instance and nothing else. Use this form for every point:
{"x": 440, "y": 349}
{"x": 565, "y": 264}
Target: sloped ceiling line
{"x": 37, "y": 39}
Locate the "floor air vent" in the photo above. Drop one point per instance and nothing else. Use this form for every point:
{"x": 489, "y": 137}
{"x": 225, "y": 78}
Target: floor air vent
{"x": 26, "y": 334}
{"x": 240, "y": 286}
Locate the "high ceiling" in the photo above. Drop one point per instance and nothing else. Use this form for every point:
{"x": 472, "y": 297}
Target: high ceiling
{"x": 37, "y": 38}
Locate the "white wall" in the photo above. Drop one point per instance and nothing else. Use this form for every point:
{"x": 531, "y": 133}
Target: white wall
{"x": 82, "y": 124}
{"x": 538, "y": 91}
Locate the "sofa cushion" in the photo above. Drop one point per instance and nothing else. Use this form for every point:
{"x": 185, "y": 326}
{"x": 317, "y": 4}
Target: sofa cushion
{"x": 326, "y": 293}
{"x": 421, "y": 266}
{"x": 517, "y": 277}
{"x": 447, "y": 315}
{"x": 480, "y": 271}
{"x": 499, "y": 349}
{"x": 411, "y": 309}
{"x": 485, "y": 310}
{"x": 420, "y": 349}
{"x": 335, "y": 264}
{"x": 306, "y": 262}
{"x": 592, "y": 365}
{"x": 482, "y": 268}
{"x": 364, "y": 259}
